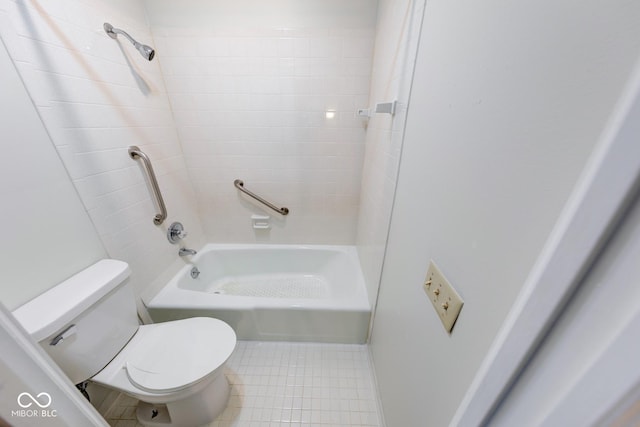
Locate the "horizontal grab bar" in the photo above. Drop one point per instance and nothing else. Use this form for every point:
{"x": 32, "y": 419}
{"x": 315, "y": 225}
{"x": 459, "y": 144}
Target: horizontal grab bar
{"x": 240, "y": 186}
{"x": 134, "y": 153}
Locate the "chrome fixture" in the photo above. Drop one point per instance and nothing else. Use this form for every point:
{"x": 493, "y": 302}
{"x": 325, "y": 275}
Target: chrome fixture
{"x": 146, "y": 51}
{"x": 185, "y": 251}
{"x": 240, "y": 186}
{"x": 195, "y": 273}
{"x": 176, "y": 232}
{"x": 69, "y": 331}
{"x": 134, "y": 153}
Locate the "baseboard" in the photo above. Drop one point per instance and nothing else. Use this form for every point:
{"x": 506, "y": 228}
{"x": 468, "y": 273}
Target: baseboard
{"x": 383, "y": 423}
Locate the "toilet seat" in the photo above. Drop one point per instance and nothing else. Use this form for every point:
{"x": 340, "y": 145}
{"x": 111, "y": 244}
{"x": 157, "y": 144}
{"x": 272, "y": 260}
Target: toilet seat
{"x": 179, "y": 353}
{"x": 169, "y": 357}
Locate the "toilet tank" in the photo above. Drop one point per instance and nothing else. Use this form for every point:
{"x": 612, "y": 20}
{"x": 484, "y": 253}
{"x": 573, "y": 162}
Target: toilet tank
{"x": 83, "y": 322}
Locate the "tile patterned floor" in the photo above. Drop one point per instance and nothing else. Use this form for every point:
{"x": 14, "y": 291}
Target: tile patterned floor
{"x": 278, "y": 384}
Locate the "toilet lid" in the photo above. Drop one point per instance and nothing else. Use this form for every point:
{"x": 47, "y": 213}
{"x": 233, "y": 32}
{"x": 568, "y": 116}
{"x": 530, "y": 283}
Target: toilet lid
{"x": 173, "y": 355}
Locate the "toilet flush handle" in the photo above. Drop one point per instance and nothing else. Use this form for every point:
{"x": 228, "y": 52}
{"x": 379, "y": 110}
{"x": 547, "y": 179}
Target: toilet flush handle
{"x": 71, "y": 330}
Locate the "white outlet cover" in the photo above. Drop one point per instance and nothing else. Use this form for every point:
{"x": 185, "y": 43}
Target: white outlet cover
{"x": 446, "y": 301}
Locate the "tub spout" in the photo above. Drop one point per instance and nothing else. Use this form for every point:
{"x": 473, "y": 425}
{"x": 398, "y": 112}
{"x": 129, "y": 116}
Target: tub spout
{"x": 185, "y": 251}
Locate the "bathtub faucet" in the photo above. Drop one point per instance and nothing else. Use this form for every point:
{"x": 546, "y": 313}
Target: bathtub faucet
{"x": 185, "y": 251}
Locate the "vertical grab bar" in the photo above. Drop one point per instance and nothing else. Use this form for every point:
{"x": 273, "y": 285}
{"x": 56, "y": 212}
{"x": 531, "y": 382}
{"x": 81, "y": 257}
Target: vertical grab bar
{"x": 134, "y": 153}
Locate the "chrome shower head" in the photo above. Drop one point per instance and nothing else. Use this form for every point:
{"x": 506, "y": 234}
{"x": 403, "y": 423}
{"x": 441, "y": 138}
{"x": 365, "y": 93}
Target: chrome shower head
{"x": 146, "y": 51}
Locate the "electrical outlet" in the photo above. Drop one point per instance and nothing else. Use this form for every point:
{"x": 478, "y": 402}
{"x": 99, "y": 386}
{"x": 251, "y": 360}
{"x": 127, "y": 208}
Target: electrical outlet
{"x": 443, "y": 296}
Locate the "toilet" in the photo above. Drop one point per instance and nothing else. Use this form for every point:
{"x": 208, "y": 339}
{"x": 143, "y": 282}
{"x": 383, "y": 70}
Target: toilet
{"x": 88, "y": 324}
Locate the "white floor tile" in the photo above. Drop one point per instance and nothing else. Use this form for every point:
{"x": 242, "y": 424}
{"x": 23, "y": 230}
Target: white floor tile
{"x": 286, "y": 384}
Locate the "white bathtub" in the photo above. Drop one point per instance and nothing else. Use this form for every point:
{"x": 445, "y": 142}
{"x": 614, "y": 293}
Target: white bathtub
{"x": 273, "y": 292}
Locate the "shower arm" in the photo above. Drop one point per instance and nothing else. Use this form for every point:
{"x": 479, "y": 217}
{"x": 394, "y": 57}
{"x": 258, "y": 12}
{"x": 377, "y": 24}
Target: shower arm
{"x": 124, "y": 33}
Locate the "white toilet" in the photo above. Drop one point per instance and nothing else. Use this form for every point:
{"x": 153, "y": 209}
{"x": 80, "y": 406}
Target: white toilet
{"x": 89, "y": 326}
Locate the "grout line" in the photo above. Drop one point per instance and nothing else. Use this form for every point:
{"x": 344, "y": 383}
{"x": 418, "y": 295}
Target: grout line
{"x": 293, "y": 384}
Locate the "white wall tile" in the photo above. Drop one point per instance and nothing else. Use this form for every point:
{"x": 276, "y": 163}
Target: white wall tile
{"x": 98, "y": 96}
{"x": 390, "y": 80}
{"x": 248, "y": 98}
{"x": 256, "y": 111}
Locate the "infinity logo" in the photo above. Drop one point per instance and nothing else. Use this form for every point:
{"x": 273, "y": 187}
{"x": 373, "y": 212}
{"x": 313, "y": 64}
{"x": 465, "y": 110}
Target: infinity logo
{"x": 34, "y": 400}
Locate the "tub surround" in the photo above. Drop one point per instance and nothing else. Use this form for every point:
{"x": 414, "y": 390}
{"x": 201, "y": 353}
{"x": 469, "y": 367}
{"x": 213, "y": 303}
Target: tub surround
{"x": 397, "y": 35}
{"x": 250, "y": 85}
{"x": 96, "y": 97}
{"x": 246, "y": 98}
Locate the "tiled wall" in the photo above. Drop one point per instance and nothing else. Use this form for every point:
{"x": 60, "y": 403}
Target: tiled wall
{"x": 398, "y": 30}
{"x": 238, "y": 90}
{"x": 98, "y": 96}
{"x": 250, "y": 86}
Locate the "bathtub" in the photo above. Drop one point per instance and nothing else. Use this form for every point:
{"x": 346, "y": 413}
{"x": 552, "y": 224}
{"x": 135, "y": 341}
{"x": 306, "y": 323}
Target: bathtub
{"x": 272, "y": 292}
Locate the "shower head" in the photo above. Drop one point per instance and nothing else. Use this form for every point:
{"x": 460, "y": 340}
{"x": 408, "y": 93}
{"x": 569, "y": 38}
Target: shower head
{"x": 146, "y": 51}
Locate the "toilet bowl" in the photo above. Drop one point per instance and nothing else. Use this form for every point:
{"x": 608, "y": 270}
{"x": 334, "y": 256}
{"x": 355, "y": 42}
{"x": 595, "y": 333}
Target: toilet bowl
{"x": 88, "y": 325}
{"x": 175, "y": 367}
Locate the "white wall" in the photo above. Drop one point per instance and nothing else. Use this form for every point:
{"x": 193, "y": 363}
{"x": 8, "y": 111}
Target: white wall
{"x": 506, "y": 105}
{"x": 47, "y": 234}
{"x": 25, "y": 367}
{"x": 397, "y": 34}
{"x": 606, "y": 301}
{"x": 249, "y": 83}
{"x": 98, "y": 96}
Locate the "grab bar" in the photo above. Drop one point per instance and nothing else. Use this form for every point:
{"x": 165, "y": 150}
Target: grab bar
{"x": 134, "y": 153}
{"x": 240, "y": 186}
